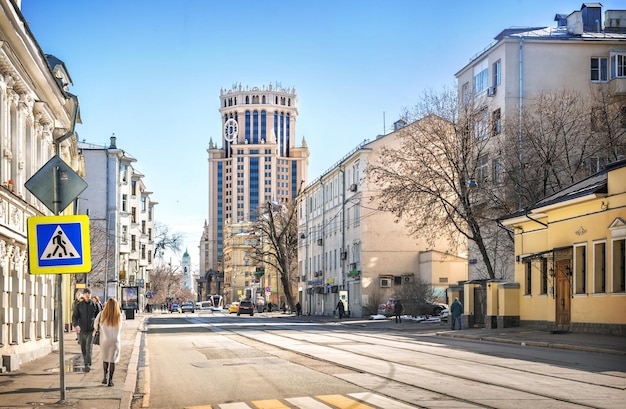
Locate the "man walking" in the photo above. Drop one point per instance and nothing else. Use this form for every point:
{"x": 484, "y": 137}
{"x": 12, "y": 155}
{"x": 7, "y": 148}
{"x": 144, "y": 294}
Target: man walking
{"x": 83, "y": 317}
{"x": 456, "y": 310}
{"x": 397, "y": 311}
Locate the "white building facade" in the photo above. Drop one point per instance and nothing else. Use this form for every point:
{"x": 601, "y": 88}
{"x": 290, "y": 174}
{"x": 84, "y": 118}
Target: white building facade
{"x": 121, "y": 214}
{"x": 350, "y": 250}
{"x": 37, "y": 119}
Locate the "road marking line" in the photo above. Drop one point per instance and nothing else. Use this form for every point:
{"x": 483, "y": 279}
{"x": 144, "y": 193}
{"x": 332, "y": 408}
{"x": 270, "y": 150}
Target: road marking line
{"x": 341, "y": 401}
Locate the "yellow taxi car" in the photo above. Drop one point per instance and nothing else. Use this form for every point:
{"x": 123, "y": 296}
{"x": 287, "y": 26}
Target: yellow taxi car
{"x": 234, "y": 307}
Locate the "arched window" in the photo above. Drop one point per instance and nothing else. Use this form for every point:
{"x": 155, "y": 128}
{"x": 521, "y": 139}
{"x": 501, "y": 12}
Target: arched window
{"x": 263, "y": 99}
{"x": 289, "y": 102}
{"x": 247, "y": 99}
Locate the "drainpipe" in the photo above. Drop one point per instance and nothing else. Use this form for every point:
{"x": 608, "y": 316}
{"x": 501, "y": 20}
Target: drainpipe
{"x": 521, "y": 111}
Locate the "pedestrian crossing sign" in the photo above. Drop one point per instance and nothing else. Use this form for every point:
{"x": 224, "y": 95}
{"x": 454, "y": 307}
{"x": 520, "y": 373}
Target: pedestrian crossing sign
{"x": 59, "y": 244}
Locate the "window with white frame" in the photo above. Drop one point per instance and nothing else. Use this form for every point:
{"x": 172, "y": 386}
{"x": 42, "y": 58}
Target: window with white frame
{"x": 482, "y": 168}
{"x": 497, "y": 171}
{"x": 481, "y": 128}
{"x": 481, "y": 76}
{"x": 618, "y": 266}
{"x": 580, "y": 269}
{"x": 496, "y": 69}
{"x": 618, "y": 65}
{"x": 599, "y": 267}
{"x": 599, "y": 69}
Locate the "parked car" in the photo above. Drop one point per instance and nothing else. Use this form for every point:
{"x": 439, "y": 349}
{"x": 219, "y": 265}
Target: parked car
{"x": 246, "y": 307}
{"x": 423, "y": 306}
{"x": 187, "y": 307}
{"x": 174, "y": 307}
{"x": 233, "y": 307}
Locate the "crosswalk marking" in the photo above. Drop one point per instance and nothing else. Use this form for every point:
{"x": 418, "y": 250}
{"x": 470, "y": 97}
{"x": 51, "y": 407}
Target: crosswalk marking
{"x": 341, "y": 401}
{"x": 307, "y": 403}
{"x": 360, "y": 400}
{"x": 269, "y": 404}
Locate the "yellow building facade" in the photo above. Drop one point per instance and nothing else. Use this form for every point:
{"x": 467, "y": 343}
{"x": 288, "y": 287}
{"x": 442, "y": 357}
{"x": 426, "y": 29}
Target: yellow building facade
{"x": 570, "y": 258}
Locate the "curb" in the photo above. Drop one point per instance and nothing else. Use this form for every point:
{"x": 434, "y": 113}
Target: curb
{"x": 541, "y": 344}
{"x": 130, "y": 383}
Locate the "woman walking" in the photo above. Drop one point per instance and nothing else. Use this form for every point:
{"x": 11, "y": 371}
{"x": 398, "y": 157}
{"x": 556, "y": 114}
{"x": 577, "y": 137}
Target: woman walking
{"x": 109, "y": 321}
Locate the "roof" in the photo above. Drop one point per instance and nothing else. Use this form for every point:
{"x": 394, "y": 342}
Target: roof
{"x": 594, "y": 184}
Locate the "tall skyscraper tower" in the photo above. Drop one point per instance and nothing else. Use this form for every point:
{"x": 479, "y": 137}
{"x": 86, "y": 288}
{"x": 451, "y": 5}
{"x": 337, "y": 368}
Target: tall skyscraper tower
{"x": 257, "y": 162}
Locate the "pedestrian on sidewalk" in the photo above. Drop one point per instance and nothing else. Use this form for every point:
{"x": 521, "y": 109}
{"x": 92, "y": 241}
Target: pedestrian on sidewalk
{"x": 397, "y": 310}
{"x": 110, "y": 323}
{"x": 83, "y": 316}
{"x": 341, "y": 309}
{"x": 96, "y": 299}
{"x": 298, "y": 308}
{"x": 456, "y": 310}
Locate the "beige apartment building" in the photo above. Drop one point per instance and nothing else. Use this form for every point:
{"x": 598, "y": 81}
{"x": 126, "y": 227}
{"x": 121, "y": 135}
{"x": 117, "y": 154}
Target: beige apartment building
{"x": 350, "y": 250}
{"x": 255, "y": 161}
{"x": 586, "y": 50}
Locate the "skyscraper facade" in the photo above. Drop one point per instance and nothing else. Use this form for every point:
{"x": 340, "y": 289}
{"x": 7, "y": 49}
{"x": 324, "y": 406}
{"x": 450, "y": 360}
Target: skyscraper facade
{"x": 258, "y": 161}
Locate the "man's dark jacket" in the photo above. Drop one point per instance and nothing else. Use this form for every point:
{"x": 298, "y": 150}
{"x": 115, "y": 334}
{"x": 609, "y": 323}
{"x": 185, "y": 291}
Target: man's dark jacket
{"x": 84, "y": 315}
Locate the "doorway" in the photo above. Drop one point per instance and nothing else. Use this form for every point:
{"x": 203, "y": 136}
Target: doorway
{"x": 563, "y": 295}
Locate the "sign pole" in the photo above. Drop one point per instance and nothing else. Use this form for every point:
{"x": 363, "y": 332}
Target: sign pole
{"x": 59, "y": 301}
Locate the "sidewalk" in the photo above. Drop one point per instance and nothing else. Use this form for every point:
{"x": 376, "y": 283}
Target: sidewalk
{"x": 38, "y": 383}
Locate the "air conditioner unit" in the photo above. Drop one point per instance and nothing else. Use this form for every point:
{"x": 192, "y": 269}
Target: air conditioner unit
{"x": 353, "y": 187}
{"x": 302, "y": 236}
{"x": 344, "y": 255}
{"x": 491, "y": 91}
{"x": 319, "y": 242}
{"x": 385, "y": 282}
{"x": 407, "y": 279}
{"x": 352, "y": 266}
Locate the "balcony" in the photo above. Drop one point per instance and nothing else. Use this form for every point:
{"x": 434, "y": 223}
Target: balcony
{"x": 617, "y": 86}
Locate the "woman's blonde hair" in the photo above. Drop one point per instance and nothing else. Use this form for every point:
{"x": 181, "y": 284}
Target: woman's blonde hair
{"x": 111, "y": 315}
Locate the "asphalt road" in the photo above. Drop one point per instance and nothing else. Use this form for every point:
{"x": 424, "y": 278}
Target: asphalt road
{"x": 224, "y": 361}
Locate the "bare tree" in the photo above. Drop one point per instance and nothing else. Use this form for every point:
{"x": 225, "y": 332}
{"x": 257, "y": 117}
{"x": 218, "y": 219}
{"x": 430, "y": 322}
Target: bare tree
{"x": 415, "y": 297}
{"x": 435, "y": 181}
{"x": 102, "y": 255}
{"x": 165, "y": 283}
{"x": 164, "y": 240}
{"x": 277, "y": 245}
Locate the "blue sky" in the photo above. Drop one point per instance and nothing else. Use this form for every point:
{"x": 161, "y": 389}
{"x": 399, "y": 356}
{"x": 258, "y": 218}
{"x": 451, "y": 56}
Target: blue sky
{"x": 150, "y": 71}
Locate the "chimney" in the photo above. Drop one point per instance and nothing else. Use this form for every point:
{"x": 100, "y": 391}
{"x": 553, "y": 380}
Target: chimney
{"x": 113, "y": 142}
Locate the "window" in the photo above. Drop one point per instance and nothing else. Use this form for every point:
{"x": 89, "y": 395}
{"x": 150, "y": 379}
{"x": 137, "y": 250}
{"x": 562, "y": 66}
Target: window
{"x": 599, "y": 69}
{"x": 482, "y": 169}
{"x": 496, "y": 68}
{"x": 124, "y": 234}
{"x": 599, "y": 267}
{"x": 143, "y": 204}
{"x": 133, "y": 214}
{"x": 133, "y": 242}
{"x": 481, "y": 127}
{"x": 481, "y": 76}
{"x": 143, "y": 227}
{"x": 497, "y": 171}
{"x": 544, "y": 276}
{"x": 133, "y": 187}
{"x": 124, "y": 202}
{"x": 529, "y": 278}
{"x": 619, "y": 265}
{"x": 618, "y": 66}
{"x": 580, "y": 270}
{"x": 465, "y": 93}
{"x": 496, "y": 122}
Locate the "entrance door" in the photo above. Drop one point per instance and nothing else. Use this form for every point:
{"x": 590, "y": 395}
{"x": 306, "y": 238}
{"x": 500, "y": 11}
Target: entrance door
{"x": 480, "y": 306}
{"x": 563, "y": 296}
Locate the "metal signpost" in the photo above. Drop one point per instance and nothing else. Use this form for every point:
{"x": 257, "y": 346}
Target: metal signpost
{"x": 58, "y": 244}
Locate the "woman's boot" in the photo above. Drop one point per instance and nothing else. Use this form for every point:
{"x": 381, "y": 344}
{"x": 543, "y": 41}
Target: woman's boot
{"x": 111, "y": 370}
{"x": 105, "y": 366}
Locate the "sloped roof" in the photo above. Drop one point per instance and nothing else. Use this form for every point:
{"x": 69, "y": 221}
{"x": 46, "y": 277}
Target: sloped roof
{"x": 594, "y": 184}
